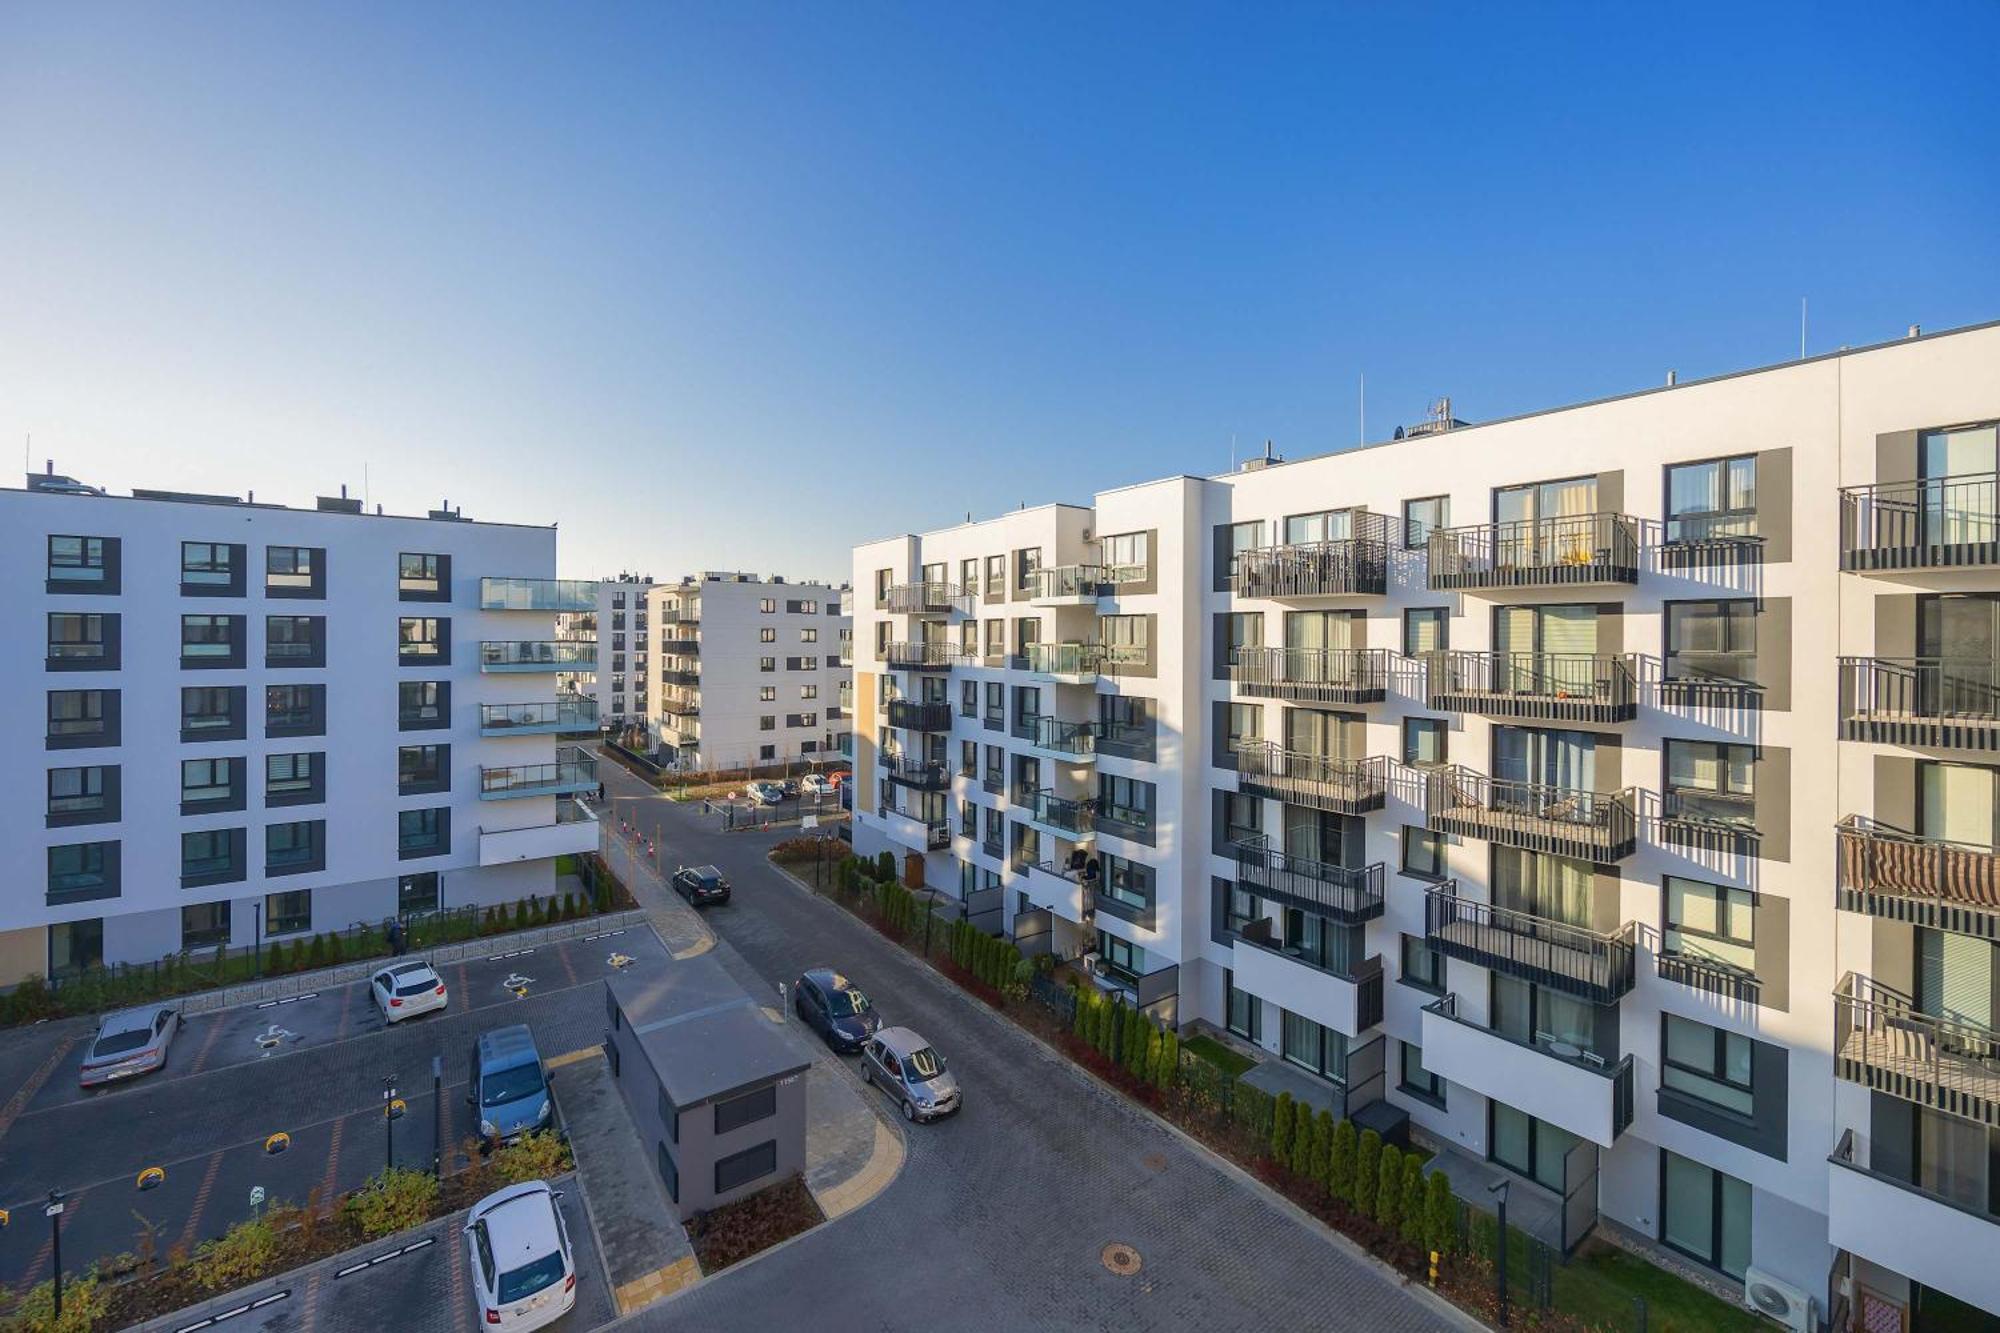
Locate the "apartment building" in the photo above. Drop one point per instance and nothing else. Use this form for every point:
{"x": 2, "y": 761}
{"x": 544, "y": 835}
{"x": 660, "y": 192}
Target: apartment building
{"x": 750, "y": 671}
{"x": 1611, "y": 791}
{"x": 257, "y": 722}
{"x": 617, "y": 679}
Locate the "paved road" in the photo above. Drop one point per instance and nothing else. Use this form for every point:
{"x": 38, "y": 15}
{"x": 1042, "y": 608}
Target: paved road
{"x": 315, "y": 1074}
{"x": 1000, "y": 1216}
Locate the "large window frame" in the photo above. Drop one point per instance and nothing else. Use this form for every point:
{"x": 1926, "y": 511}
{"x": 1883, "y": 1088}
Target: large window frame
{"x": 1726, "y": 627}
{"x": 1731, "y": 483}
{"x": 1710, "y": 1064}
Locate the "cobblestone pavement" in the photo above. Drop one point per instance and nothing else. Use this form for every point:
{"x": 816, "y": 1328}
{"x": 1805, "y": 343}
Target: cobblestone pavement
{"x": 1001, "y": 1215}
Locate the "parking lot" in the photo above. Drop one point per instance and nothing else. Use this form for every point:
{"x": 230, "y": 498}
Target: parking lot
{"x": 311, "y": 1069}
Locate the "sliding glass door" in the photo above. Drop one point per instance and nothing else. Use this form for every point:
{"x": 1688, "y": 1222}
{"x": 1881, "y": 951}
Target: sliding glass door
{"x": 1545, "y": 523}
{"x": 1958, "y": 640}
{"x": 1957, "y": 470}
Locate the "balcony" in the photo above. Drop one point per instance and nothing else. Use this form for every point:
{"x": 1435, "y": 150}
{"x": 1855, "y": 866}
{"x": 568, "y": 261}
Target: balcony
{"x": 1062, "y": 663}
{"x": 1059, "y": 889}
{"x": 1944, "y": 1243}
{"x": 573, "y": 771}
{"x": 680, "y": 645}
{"x": 1069, "y": 585}
{"x": 911, "y": 715}
{"x": 1887, "y": 872}
{"x": 1710, "y": 821}
{"x": 1074, "y": 742}
{"x": 1946, "y": 703}
{"x": 1319, "y": 675}
{"x": 1349, "y": 567}
{"x": 1593, "y": 826}
{"x": 1579, "y": 550}
{"x": 569, "y": 836}
{"x": 1155, "y": 993}
{"x": 1573, "y": 1089}
{"x": 680, "y": 703}
{"x": 925, "y": 599}
{"x": 916, "y": 772}
{"x": 1343, "y": 995}
{"x": 575, "y": 713}
{"x": 914, "y": 831}
{"x": 680, "y": 676}
{"x": 1073, "y": 820}
{"x": 1322, "y": 782}
{"x": 1882, "y": 1041}
{"x": 539, "y": 655}
{"x": 1586, "y": 963}
{"x": 1549, "y": 687}
{"x": 920, "y": 656}
{"x": 1938, "y": 523}
{"x": 537, "y": 595}
{"x": 1350, "y": 895}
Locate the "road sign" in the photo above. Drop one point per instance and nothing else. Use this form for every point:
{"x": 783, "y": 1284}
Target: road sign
{"x": 394, "y": 1110}
{"x": 256, "y": 1195}
{"x": 809, "y": 821}
{"x": 53, "y": 1209}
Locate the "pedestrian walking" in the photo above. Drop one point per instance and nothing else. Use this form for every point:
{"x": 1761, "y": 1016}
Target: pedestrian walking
{"x": 395, "y": 934}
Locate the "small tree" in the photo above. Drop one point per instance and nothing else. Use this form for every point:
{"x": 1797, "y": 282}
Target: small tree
{"x": 336, "y": 952}
{"x": 1281, "y": 1128}
{"x": 1485, "y": 1231}
{"x": 1170, "y": 1061}
{"x": 1137, "y": 1028}
{"x": 1321, "y": 1148}
{"x": 1440, "y": 1216}
{"x": 1416, "y": 1219}
{"x": 1367, "y": 1172}
{"x": 1389, "y": 1189}
{"x": 316, "y": 955}
{"x": 1340, "y": 1162}
{"x": 1080, "y": 1024}
{"x": 1303, "y": 1126}
{"x": 885, "y": 865}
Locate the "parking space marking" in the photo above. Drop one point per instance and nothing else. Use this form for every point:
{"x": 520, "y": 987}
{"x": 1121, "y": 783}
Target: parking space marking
{"x": 29, "y": 1090}
{"x": 289, "y": 999}
{"x": 309, "y": 1316}
{"x": 189, "y": 1233}
{"x": 327, "y": 1187}
{"x": 512, "y": 953}
{"x": 573, "y": 1057}
{"x": 215, "y": 1027}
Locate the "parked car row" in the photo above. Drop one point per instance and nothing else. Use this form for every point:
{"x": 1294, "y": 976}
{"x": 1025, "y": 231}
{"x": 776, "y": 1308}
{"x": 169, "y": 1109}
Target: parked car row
{"x": 895, "y": 1059}
{"x": 771, "y": 792}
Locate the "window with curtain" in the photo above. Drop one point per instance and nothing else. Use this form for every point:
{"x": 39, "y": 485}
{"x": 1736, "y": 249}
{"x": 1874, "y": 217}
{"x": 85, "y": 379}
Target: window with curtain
{"x": 1423, "y": 741}
{"x": 1537, "y": 1016}
{"x": 1426, "y": 629}
{"x": 1243, "y": 629}
{"x": 1546, "y": 757}
{"x": 1246, "y": 725}
{"x": 1711, "y": 499}
{"x": 1242, "y": 817}
{"x": 1957, "y": 803}
{"x": 1423, "y": 852}
{"x": 1322, "y": 1050}
{"x": 1955, "y": 976}
{"x": 1243, "y": 537}
{"x": 1957, "y": 465}
{"x": 1558, "y": 888}
{"x": 1712, "y": 640}
{"x": 1423, "y": 966}
{"x": 1546, "y": 649}
{"x": 1705, "y": 1214}
{"x": 1128, "y": 555}
{"x": 1711, "y": 783}
{"x": 1328, "y": 525}
{"x": 1711, "y": 923}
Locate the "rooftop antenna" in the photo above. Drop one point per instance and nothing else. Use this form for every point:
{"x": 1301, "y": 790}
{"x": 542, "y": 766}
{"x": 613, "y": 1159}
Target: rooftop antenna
{"x": 1802, "y": 328}
{"x": 1364, "y": 409}
{"x": 364, "y": 485}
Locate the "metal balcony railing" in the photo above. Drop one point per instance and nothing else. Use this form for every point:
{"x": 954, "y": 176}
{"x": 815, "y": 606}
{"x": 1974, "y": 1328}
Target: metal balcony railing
{"x": 1050, "y": 733}
{"x": 1884, "y": 1042}
{"x": 1556, "y": 687}
{"x": 509, "y": 594}
{"x": 1323, "y": 782}
{"x": 1069, "y": 582}
{"x": 1947, "y": 702}
{"x": 912, "y": 715}
{"x": 1323, "y": 675}
{"x": 1348, "y": 894}
{"x": 916, "y": 772}
{"x": 1076, "y": 660}
{"x": 938, "y": 656}
{"x": 1934, "y": 523}
{"x": 575, "y": 713}
{"x": 1586, "y": 963}
{"x": 931, "y": 598}
{"x": 1349, "y": 566}
{"x": 1536, "y": 553}
{"x": 1888, "y": 872}
{"x": 1596, "y": 826}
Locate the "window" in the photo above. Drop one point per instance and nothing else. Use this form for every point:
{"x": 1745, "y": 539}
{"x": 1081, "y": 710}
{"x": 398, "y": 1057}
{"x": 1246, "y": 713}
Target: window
{"x": 1127, "y": 883}
{"x": 1126, "y": 801}
{"x": 1242, "y": 817}
{"x": 767, "y": 635}
{"x": 996, "y": 703}
{"x": 1242, "y": 632}
{"x": 82, "y": 871}
{"x": 1713, "y": 499}
{"x": 1706, "y": 1063}
{"x": 1421, "y": 517}
{"x": 288, "y": 913}
{"x": 1242, "y": 1011}
{"x": 1122, "y": 956}
{"x": 810, "y": 607}
{"x": 422, "y": 577}
{"x": 739, "y": 1169}
{"x": 808, "y": 719}
{"x": 294, "y": 571}
{"x": 1326, "y": 525}
{"x": 767, "y": 752}
{"x": 996, "y": 577}
{"x": 422, "y": 640}
{"x": 1124, "y": 637}
{"x": 1704, "y": 1214}
{"x": 293, "y": 779}
{"x": 81, "y": 795}
{"x": 1426, "y": 629}
{"x": 968, "y": 575}
{"x": 423, "y": 704}
{"x": 1423, "y": 966}
{"x": 1246, "y": 725}
{"x": 735, "y": 1112}
{"x": 1322, "y": 1050}
{"x": 211, "y": 856}
{"x": 205, "y": 925}
{"x": 208, "y": 565}
{"x": 295, "y": 710}
{"x": 767, "y": 605}
{"x": 1128, "y": 557}
{"x": 1423, "y": 852}
{"x": 809, "y": 635}
{"x": 294, "y": 847}
{"x": 808, "y": 691}
{"x": 767, "y": 664}
{"x": 211, "y": 640}
{"x": 1416, "y": 1080}
{"x": 82, "y": 564}
{"x": 423, "y": 832}
{"x": 1423, "y": 741}
{"x": 211, "y": 712}
{"x": 767, "y": 694}
{"x": 1242, "y": 537}
{"x": 883, "y": 578}
{"x": 1712, "y": 640}
{"x": 422, "y": 768}
{"x": 216, "y": 783}
{"x": 1709, "y": 782}
{"x": 82, "y": 642}
{"x": 767, "y": 722}
{"x": 294, "y": 641}
{"x": 1027, "y": 561}
{"x": 82, "y": 717}
{"x": 1711, "y": 923}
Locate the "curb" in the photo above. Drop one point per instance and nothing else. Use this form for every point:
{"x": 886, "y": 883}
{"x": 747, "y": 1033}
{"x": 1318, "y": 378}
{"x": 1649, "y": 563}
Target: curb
{"x": 1387, "y": 1271}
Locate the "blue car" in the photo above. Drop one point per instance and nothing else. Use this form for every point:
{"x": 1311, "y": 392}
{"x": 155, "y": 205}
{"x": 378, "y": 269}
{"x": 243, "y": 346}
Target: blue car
{"x": 510, "y": 1091}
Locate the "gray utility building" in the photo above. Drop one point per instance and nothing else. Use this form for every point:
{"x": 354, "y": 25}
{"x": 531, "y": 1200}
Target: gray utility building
{"x": 713, "y": 1084}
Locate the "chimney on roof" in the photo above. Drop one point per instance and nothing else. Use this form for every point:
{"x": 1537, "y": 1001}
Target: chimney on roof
{"x": 1673, "y": 378}
{"x": 1916, "y": 330}
{"x": 52, "y": 467}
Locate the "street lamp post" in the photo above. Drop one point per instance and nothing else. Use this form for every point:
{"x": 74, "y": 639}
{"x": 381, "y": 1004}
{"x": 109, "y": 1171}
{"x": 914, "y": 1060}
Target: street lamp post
{"x": 389, "y": 1122}
{"x": 54, "y": 1210}
{"x": 1500, "y": 1261}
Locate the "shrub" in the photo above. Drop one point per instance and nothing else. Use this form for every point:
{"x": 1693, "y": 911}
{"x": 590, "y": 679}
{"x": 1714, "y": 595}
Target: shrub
{"x": 85, "y": 1303}
{"x": 1281, "y": 1128}
{"x": 1170, "y": 1061}
{"x": 885, "y": 865}
{"x": 1136, "y": 1029}
{"x": 521, "y": 913}
{"x": 1416, "y": 1218}
{"x": 316, "y": 955}
{"x": 1086, "y": 1015}
{"x": 1321, "y": 1148}
{"x": 1303, "y": 1127}
{"x": 335, "y": 950}
{"x": 242, "y": 1254}
{"x": 394, "y": 1199}
{"x": 536, "y": 1156}
{"x": 1440, "y": 1216}
{"x": 1484, "y": 1231}
{"x": 1389, "y": 1188}
{"x": 1367, "y": 1172}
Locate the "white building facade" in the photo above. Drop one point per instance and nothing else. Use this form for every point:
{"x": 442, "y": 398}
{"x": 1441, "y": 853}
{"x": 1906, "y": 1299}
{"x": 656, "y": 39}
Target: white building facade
{"x": 254, "y": 721}
{"x": 1611, "y": 790}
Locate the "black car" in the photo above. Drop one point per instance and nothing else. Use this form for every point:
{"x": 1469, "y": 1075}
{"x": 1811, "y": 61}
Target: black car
{"x": 701, "y": 884}
{"x": 834, "y": 1007}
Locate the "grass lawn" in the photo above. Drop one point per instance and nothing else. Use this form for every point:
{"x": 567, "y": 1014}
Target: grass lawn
{"x": 1600, "y": 1282}
{"x": 566, "y": 864}
{"x": 1213, "y": 1051}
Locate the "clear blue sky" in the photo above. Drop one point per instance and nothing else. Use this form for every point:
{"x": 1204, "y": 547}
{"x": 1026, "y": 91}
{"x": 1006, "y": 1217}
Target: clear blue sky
{"x": 737, "y": 285}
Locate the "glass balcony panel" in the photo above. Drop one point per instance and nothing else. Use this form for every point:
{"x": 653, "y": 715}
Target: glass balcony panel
{"x": 510, "y": 594}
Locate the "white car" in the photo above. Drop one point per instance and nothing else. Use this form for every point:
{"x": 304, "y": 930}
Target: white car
{"x": 523, "y": 1273}
{"x": 403, "y": 990}
{"x": 817, "y": 784}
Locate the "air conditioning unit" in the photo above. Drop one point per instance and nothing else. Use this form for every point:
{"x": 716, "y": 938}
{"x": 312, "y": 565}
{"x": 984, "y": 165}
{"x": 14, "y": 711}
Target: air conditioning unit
{"x": 1778, "y": 1299}
{"x": 1088, "y": 535}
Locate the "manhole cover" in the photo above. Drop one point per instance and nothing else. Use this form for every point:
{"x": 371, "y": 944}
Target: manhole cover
{"x": 1120, "y": 1258}
{"x": 1154, "y": 1161}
